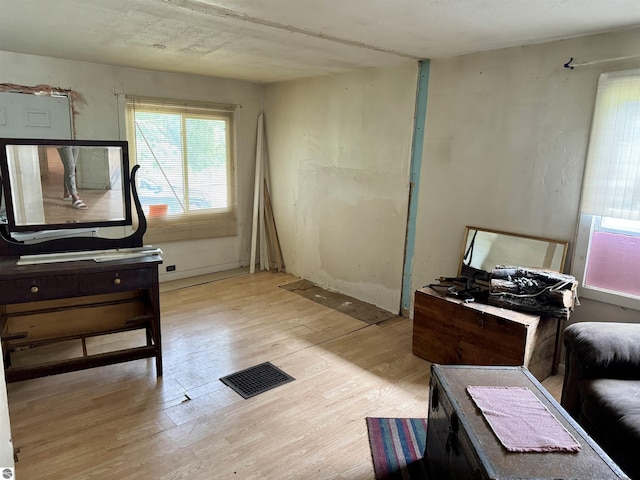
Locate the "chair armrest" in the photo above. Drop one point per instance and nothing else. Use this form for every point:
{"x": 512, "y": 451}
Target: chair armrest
{"x": 598, "y": 350}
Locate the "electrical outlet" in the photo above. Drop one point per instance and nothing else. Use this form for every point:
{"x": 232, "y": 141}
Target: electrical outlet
{"x": 171, "y": 268}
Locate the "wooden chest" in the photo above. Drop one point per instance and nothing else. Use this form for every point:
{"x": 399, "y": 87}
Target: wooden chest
{"x": 461, "y": 445}
{"x": 449, "y": 331}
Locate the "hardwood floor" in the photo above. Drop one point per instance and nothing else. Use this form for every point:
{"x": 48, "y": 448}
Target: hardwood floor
{"x": 122, "y": 422}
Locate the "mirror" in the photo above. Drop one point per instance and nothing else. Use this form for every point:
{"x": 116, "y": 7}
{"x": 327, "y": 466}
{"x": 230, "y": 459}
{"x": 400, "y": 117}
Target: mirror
{"x": 35, "y": 180}
{"x": 484, "y": 249}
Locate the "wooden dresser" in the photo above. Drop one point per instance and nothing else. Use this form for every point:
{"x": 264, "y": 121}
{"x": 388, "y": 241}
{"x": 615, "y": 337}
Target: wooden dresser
{"x": 447, "y": 330}
{"x": 44, "y": 304}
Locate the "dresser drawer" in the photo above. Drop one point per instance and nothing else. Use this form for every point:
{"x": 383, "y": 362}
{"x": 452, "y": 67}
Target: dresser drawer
{"x": 33, "y": 290}
{"x": 114, "y": 281}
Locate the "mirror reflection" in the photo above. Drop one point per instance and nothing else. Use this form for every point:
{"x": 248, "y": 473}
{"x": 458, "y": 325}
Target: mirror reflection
{"x": 484, "y": 249}
{"x": 64, "y": 185}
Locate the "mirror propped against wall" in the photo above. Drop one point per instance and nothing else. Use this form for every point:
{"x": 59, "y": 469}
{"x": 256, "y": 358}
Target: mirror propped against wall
{"x": 484, "y": 249}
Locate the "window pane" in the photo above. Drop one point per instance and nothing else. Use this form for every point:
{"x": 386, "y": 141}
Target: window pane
{"x": 159, "y": 154}
{"x": 613, "y": 257}
{"x": 207, "y": 163}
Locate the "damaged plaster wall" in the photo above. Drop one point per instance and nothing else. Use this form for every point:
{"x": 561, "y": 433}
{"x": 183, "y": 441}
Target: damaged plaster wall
{"x": 339, "y": 152}
{"x": 96, "y": 116}
{"x": 505, "y": 144}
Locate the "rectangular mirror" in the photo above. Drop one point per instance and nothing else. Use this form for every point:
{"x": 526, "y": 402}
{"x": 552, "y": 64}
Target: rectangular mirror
{"x": 484, "y": 249}
{"x": 35, "y": 181}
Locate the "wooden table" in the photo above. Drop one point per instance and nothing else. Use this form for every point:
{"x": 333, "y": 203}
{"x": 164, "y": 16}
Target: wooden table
{"x": 50, "y": 303}
{"x": 461, "y": 445}
{"x": 447, "y": 330}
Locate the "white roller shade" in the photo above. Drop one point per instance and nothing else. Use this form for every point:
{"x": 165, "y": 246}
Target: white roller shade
{"x": 612, "y": 177}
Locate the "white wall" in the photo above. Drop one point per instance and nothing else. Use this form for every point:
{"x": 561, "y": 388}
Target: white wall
{"x": 96, "y": 117}
{"x": 505, "y": 143}
{"x": 339, "y": 151}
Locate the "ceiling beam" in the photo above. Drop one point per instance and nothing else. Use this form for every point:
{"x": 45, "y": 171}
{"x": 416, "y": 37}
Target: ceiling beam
{"x": 217, "y": 11}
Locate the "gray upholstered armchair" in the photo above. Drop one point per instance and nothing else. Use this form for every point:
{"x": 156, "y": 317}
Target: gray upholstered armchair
{"x": 602, "y": 387}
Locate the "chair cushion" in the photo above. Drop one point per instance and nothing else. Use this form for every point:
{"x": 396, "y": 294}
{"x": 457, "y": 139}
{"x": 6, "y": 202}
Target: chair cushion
{"x": 611, "y": 415}
{"x": 610, "y": 350}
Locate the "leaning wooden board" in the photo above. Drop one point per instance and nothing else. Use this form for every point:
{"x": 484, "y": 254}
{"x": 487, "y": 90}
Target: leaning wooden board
{"x": 447, "y": 330}
{"x": 461, "y": 445}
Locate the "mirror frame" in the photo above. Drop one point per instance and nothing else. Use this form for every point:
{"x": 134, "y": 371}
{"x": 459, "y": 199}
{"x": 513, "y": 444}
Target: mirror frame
{"x": 8, "y": 198}
{"x": 463, "y": 268}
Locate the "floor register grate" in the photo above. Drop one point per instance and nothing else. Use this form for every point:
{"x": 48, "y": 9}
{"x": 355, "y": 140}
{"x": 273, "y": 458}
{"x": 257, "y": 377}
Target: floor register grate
{"x": 256, "y": 380}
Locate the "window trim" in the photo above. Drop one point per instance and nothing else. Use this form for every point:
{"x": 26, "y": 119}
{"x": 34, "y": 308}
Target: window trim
{"x": 194, "y": 225}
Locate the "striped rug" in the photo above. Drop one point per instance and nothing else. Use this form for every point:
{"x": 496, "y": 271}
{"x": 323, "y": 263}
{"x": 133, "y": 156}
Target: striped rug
{"x": 397, "y": 446}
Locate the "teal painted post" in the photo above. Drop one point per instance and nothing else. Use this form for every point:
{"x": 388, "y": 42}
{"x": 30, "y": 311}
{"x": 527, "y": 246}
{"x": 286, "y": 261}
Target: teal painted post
{"x": 414, "y": 180}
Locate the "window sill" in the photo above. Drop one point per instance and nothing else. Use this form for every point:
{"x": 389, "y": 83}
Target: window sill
{"x": 604, "y": 296}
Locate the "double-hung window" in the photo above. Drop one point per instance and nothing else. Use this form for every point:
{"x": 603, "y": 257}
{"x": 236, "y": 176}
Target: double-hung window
{"x": 607, "y": 260}
{"x": 186, "y": 154}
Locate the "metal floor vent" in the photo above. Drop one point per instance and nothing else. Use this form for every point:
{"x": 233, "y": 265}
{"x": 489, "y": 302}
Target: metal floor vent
{"x": 255, "y": 380}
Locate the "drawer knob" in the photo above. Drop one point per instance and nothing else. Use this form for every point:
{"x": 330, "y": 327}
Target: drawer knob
{"x": 117, "y": 281}
{"x": 35, "y": 289}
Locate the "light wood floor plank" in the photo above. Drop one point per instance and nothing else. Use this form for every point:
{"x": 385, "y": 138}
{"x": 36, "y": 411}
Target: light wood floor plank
{"x": 120, "y": 421}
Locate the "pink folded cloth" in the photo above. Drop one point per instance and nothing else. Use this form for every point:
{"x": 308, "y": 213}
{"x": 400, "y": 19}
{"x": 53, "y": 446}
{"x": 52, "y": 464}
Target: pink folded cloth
{"x": 520, "y": 421}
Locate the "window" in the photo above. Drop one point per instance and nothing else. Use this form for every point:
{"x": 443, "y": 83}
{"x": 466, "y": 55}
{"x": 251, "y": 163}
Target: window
{"x": 186, "y": 181}
{"x": 608, "y": 242}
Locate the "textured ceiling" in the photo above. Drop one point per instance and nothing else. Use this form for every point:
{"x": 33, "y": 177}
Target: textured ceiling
{"x": 275, "y": 40}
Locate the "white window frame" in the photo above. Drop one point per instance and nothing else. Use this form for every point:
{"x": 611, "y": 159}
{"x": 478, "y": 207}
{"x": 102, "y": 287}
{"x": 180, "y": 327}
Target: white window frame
{"x": 194, "y": 225}
{"x": 586, "y": 224}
